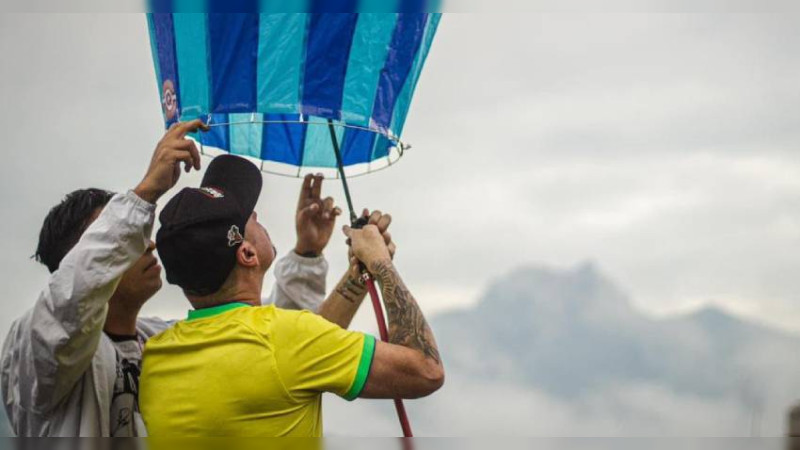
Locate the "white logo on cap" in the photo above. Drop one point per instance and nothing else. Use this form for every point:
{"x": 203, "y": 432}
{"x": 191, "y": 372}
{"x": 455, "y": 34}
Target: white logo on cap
{"x": 212, "y": 192}
{"x": 234, "y": 236}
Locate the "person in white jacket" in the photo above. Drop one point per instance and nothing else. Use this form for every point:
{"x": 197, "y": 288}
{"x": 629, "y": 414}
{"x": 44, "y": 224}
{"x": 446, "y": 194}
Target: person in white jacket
{"x": 70, "y": 365}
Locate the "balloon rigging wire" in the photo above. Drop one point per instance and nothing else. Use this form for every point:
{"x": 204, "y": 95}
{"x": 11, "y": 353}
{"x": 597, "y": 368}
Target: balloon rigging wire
{"x": 389, "y": 162}
{"x": 401, "y": 146}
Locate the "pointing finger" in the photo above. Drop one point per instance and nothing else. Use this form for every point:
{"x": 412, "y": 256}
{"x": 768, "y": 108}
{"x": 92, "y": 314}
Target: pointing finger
{"x": 175, "y": 129}
{"x": 305, "y": 191}
{"x": 184, "y": 128}
{"x": 316, "y": 188}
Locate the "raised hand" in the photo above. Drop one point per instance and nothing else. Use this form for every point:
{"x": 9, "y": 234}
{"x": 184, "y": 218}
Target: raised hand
{"x": 368, "y": 245}
{"x": 344, "y": 301}
{"x": 315, "y": 218}
{"x": 382, "y": 221}
{"x": 172, "y": 150}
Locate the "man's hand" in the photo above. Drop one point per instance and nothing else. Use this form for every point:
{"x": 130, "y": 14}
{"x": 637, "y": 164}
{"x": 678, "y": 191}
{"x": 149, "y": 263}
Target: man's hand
{"x": 165, "y": 169}
{"x": 368, "y": 245}
{"x": 315, "y": 218}
{"x": 382, "y": 221}
{"x": 343, "y": 303}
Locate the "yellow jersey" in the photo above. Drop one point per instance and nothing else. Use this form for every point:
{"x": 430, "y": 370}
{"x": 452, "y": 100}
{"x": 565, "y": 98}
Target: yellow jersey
{"x": 238, "y": 370}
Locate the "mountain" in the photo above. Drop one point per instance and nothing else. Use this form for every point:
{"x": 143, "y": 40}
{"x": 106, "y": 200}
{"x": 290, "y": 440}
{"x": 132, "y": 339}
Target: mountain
{"x": 572, "y": 337}
{"x": 538, "y": 326}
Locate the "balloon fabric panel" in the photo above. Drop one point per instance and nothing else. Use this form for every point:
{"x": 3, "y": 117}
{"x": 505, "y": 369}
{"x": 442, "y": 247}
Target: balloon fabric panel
{"x": 268, "y": 83}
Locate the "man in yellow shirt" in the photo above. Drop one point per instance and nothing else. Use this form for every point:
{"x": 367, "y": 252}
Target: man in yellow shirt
{"x": 234, "y": 368}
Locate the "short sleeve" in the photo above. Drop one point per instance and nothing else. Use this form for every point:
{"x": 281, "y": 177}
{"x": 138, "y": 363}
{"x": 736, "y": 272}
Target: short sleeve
{"x": 314, "y": 355}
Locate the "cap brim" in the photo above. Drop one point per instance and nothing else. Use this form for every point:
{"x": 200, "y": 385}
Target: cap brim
{"x": 236, "y": 177}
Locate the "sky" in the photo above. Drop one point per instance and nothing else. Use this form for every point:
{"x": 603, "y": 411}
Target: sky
{"x": 661, "y": 147}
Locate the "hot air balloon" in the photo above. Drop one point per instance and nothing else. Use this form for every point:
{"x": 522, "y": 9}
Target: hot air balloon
{"x": 296, "y": 92}
{"x": 269, "y": 83}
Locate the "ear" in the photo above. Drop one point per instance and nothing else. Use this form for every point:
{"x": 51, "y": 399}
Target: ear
{"x": 246, "y": 255}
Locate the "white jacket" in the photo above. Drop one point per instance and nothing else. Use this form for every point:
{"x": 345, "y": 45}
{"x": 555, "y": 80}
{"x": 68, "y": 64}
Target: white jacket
{"x": 58, "y": 367}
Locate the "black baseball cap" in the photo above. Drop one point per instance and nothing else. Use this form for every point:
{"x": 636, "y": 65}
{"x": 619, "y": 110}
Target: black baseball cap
{"x": 202, "y": 228}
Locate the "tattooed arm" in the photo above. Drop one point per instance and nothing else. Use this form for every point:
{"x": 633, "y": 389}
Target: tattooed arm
{"x": 409, "y": 365}
{"x": 407, "y": 325}
{"x": 343, "y": 303}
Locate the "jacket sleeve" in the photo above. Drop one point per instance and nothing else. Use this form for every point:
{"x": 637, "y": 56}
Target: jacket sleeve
{"x": 57, "y": 340}
{"x": 299, "y": 282}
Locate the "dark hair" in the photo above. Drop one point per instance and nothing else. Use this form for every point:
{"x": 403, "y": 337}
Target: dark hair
{"x": 65, "y": 223}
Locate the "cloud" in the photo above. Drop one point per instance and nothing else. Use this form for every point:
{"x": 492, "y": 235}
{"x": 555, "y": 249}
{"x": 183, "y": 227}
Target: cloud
{"x": 475, "y": 409}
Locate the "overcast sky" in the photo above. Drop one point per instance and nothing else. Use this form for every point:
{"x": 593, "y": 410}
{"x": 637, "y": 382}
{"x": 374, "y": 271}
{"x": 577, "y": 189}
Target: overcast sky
{"x": 662, "y": 147}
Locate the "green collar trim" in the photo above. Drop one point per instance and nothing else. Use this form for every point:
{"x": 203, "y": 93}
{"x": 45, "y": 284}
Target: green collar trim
{"x": 205, "y": 313}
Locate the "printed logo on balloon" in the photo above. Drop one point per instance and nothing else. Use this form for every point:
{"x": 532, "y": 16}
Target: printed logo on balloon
{"x": 170, "y": 100}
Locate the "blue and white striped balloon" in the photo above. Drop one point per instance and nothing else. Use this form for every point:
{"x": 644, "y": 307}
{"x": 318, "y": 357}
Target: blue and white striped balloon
{"x": 268, "y": 83}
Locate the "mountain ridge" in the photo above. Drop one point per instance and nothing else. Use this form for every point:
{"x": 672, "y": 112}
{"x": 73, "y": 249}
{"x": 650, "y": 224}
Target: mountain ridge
{"x": 571, "y": 332}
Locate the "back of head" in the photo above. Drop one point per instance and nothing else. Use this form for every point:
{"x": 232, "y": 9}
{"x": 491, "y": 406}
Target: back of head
{"x": 203, "y": 228}
{"x": 66, "y": 222}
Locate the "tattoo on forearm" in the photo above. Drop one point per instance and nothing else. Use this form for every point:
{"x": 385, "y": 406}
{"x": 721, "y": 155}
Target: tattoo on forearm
{"x": 352, "y": 290}
{"x": 407, "y": 325}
